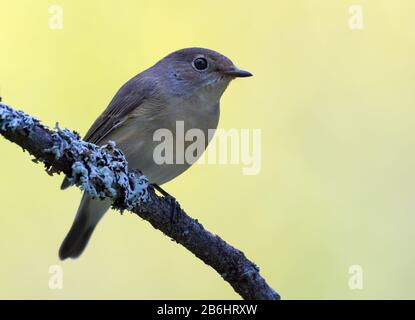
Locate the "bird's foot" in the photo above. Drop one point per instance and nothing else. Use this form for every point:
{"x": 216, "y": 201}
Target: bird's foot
{"x": 174, "y": 205}
{"x": 174, "y": 208}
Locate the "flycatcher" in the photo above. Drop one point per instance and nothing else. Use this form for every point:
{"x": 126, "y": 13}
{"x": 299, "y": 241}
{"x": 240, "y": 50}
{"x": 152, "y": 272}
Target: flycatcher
{"x": 184, "y": 86}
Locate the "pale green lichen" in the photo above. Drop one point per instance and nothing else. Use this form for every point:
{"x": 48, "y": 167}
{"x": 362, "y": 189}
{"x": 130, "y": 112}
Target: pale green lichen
{"x": 101, "y": 171}
{"x": 14, "y": 120}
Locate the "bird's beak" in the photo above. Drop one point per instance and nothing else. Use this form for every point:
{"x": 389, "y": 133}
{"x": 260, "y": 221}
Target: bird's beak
{"x": 238, "y": 73}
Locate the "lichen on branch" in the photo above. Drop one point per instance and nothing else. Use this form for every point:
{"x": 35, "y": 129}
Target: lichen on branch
{"x": 101, "y": 171}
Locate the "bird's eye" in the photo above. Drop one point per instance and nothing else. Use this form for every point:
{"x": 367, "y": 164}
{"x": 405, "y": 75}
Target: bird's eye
{"x": 200, "y": 64}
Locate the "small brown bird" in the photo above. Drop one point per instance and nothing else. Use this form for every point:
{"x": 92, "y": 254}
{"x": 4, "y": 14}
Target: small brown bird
{"x": 184, "y": 86}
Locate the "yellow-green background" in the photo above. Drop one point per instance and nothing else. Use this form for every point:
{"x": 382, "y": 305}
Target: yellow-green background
{"x": 337, "y": 112}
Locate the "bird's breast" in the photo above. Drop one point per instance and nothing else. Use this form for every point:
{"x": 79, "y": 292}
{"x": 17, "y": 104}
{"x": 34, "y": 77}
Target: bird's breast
{"x": 138, "y": 137}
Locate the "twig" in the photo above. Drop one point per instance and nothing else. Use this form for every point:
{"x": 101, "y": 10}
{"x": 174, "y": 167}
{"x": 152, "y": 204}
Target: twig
{"x": 103, "y": 172}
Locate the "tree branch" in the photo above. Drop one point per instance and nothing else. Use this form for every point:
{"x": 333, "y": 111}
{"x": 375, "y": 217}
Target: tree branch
{"x": 103, "y": 172}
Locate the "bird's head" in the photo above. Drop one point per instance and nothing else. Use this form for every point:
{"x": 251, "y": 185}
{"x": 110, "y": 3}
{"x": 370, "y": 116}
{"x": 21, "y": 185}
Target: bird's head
{"x": 197, "y": 70}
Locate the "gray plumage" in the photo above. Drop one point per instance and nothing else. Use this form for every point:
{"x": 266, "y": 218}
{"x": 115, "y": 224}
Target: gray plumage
{"x": 172, "y": 90}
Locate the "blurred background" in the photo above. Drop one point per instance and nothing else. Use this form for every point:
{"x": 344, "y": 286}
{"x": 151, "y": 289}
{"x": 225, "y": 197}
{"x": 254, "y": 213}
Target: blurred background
{"x": 332, "y": 93}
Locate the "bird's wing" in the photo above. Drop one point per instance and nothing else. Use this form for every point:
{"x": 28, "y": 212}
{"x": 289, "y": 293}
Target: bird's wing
{"x": 130, "y": 96}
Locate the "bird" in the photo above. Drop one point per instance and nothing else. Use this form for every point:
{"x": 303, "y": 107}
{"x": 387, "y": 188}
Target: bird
{"x": 186, "y": 85}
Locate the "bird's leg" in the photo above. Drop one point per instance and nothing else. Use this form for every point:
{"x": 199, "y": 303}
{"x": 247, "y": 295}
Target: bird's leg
{"x": 160, "y": 189}
{"x": 174, "y": 205}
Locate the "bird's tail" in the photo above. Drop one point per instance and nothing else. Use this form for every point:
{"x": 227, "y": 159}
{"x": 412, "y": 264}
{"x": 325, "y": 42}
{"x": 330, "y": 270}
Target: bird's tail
{"x": 89, "y": 213}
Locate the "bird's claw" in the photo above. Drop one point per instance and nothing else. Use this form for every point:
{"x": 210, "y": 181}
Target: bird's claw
{"x": 174, "y": 208}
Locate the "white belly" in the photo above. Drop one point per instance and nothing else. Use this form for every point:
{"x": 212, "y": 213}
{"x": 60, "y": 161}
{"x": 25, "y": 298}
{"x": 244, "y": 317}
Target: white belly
{"x": 135, "y": 139}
